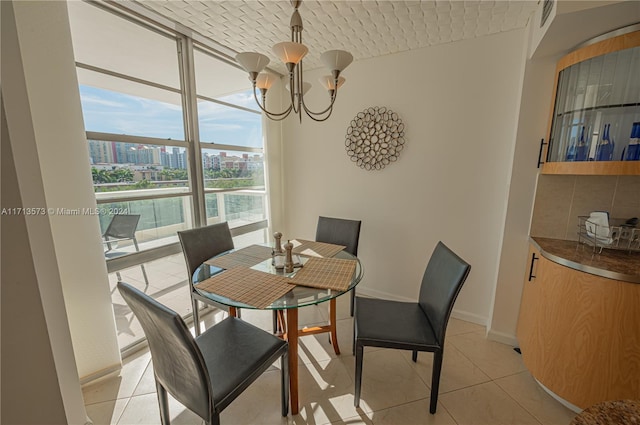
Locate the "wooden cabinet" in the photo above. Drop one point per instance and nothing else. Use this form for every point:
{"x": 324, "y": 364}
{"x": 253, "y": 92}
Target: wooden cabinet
{"x": 580, "y": 333}
{"x": 596, "y": 101}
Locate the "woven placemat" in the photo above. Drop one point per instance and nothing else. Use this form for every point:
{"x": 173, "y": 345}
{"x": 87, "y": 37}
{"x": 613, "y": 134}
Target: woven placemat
{"x": 247, "y": 286}
{"x": 245, "y": 257}
{"x": 315, "y": 249}
{"x": 326, "y": 273}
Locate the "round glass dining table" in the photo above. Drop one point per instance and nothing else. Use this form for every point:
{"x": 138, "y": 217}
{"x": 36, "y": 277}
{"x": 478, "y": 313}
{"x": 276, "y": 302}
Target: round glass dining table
{"x": 298, "y": 296}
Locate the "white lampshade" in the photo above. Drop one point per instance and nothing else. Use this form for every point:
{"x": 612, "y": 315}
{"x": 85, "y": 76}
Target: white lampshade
{"x": 336, "y": 60}
{"x": 290, "y": 52}
{"x": 327, "y": 82}
{"x": 305, "y": 87}
{"x": 265, "y": 80}
{"x": 252, "y": 62}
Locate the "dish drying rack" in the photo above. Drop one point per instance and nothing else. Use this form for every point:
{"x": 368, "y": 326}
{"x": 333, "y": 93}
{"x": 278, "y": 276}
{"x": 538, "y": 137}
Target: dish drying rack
{"x": 617, "y": 235}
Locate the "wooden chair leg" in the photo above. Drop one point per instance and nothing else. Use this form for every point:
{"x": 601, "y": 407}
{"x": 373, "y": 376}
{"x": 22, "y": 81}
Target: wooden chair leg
{"x": 435, "y": 380}
{"x": 163, "y": 402}
{"x": 359, "y": 355}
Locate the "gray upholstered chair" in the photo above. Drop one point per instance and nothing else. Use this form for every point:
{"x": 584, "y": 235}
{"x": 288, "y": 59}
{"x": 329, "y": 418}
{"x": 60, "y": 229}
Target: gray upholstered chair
{"x": 340, "y": 231}
{"x": 122, "y": 227}
{"x": 417, "y": 326}
{"x": 208, "y": 372}
{"x": 199, "y": 245}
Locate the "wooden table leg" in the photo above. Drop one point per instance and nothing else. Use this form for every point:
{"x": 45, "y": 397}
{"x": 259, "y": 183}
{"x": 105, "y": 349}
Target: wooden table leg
{"x": 332, "y": 325}
{"x": 233, "y": 312}
{"x": 292, "y": 338}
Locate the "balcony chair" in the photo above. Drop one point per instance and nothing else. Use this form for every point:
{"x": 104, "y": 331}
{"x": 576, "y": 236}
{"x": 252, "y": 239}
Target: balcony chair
{"x": 199, "y": 245}
{"x": 122, "y": 228}
{"x": 417, "y": 326}
{"x": 208, "y": 372}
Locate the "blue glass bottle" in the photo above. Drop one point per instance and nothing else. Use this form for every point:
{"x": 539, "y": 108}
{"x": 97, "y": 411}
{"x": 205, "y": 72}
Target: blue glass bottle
{"x": 604, "y": 152}
{"x": 582, "y": 148}
{"x": 633, "y": 149}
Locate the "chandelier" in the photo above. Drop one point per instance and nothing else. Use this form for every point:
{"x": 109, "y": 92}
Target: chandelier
{"x": 291, "y": 53}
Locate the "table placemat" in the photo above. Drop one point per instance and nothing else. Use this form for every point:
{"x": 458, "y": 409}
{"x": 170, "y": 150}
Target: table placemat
{"x": 245, "y": 257}
{"x": 326, "y": 273}
{"x": 248, "y": 286}
{"x": 315, "y": 249}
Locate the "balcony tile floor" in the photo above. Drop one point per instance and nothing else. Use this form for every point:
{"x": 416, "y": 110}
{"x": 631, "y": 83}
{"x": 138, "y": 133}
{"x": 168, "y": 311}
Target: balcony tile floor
{"x": 483, "y": 382}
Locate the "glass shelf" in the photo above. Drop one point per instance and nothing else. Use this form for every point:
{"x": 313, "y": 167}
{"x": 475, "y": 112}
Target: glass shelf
{"x": 597, "y": 93}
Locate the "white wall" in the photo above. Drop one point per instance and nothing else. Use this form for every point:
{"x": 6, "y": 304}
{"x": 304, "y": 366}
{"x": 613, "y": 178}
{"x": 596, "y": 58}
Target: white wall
{"x": 460, "y": 104}
{"x": 532, "y": 126}
{"x": 51, "y": 101}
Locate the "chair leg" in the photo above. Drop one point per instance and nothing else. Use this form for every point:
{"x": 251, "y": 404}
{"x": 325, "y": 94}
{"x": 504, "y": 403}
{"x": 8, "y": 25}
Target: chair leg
{"x": 144, "y": 273}
{"x": 359, "y": 355}
{"x": 333, "y": 327}
{"x": 414, "y": 356}
{"x": 215, "y": 419}
{"x": 353, "y": 341}
{"x": 196, "y": 316}
{"x": 163, "y": 402}
{"x": 118, "y": 276}
{"x": 353, "y": 301}
{"x": 284, "y": 365}
{"x": 435, "y": 380}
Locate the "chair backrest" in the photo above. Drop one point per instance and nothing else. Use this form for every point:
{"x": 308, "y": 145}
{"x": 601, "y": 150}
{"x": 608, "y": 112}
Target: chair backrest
{"x": 177, "y": 361}
{"x": 339, "y": 231}
{"x": 441, "y": 283}
{"x": 123, "y": 226}
{"x": 202, "y": 243}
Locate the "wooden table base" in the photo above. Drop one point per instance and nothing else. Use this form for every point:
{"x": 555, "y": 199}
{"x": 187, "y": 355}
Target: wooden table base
{"x": 292, "y": 338}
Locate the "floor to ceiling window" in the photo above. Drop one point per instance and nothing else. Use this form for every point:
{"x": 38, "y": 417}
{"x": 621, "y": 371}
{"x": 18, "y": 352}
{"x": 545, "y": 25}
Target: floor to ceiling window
{"x": 174, "y": 138}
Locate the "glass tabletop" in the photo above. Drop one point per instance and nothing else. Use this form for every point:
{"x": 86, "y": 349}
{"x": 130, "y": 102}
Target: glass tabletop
{"x": 299, "y": 296}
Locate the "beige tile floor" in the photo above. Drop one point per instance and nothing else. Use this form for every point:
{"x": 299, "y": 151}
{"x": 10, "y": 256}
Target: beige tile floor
{"x": 483, "y": 382}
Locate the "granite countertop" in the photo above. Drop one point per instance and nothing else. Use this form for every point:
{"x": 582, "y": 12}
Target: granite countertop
{"x": 612, "y": 264}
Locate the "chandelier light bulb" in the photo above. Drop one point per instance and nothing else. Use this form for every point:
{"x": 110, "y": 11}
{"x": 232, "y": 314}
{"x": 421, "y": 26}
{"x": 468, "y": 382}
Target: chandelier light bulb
{"x": 328, "y": 82}
{"x": 305, "y": 88}
{"x": 265, "y": 80}
{"x": 336, "y": 60}
{"x": 290, "y": 52}
{"x": 252, "y": 62}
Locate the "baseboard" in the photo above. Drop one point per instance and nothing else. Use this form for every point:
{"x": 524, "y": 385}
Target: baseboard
{"x": 374, "y": 293}
{"x": 502, "y": 337}
{"x": 100, "y": 374}
{"x": 457, "y": 314}
{"x": 469, "y": 317}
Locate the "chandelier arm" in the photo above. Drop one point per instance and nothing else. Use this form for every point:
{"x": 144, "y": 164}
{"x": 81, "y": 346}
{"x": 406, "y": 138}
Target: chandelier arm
{"x": 329, "y": 108}
{"x": 274, "y": 114}
{"x": 274, "y": 118}
{"x": 313, "y": 117}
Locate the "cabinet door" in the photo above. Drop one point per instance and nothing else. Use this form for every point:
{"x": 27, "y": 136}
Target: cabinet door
{"x": 596, "y": 108}
{"x": 530, "y": 326}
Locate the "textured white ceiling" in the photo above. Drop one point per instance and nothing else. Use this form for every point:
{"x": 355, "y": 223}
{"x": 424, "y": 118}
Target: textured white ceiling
{"x": 365, "y": 28}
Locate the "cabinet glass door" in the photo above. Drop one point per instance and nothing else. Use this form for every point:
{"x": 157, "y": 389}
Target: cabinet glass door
{"x": 597, "y": 102}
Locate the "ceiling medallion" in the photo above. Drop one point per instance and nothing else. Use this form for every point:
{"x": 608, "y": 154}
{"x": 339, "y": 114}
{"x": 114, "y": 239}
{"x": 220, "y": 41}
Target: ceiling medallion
{"x": 375, "y": 138}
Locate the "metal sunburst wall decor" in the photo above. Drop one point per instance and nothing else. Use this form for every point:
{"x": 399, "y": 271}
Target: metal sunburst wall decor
{"x": 375, "y": 138}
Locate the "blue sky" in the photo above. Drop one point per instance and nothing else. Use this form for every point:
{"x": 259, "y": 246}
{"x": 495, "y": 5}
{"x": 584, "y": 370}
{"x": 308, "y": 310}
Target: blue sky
{"x": 112, "y": 112}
